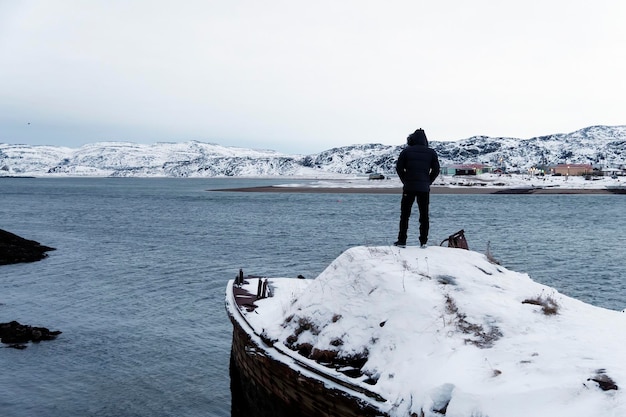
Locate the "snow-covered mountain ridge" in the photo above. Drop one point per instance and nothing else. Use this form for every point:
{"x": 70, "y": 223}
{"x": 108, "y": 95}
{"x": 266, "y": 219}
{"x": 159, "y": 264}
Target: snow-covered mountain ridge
{"x": 598, "y": 145}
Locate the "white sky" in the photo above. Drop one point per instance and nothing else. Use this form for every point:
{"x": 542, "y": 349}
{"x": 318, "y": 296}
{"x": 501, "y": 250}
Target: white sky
{"x": 303, "y": 76}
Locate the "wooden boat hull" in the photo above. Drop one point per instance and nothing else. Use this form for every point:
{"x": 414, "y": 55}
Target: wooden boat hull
{"x": 267, "y": 383}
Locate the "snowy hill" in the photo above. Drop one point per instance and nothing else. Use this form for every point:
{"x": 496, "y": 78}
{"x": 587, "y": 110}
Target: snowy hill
{"x": 602, "y": 145}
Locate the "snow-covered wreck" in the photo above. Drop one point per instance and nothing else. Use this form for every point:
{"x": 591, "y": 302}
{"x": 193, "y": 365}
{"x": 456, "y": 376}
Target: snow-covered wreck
{"x": 422, "y": 332}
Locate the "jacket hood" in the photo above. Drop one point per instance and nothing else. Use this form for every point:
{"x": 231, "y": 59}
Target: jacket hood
{"x": 417, "y": 138}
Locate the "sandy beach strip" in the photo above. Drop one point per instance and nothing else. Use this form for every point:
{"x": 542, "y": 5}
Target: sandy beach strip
{"x": 434, "y": 190}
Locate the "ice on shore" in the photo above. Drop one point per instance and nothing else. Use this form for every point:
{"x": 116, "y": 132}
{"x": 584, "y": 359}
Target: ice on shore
{"x": 486, "y": 181}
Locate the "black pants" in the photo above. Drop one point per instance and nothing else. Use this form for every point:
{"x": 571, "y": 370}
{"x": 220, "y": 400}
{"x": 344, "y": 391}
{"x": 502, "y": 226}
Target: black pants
{"x": 423, "y": 200}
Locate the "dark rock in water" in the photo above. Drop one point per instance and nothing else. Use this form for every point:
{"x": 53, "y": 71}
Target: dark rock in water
{"x": 15, "y": 249}
{"x": 15, "y": 334}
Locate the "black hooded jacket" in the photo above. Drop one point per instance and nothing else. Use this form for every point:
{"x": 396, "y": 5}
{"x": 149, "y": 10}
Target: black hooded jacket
{"x": 418, "y": 165}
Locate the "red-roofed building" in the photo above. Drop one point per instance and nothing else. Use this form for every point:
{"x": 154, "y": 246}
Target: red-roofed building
{"x": 571, "y": 169}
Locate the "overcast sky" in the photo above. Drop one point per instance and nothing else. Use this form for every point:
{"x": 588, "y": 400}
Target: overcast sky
{"x": 305, "y": 76}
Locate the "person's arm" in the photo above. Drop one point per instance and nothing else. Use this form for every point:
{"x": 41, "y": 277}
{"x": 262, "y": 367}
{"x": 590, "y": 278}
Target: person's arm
{"x": 434, "y": 168}
{"x": 400, "y": 166}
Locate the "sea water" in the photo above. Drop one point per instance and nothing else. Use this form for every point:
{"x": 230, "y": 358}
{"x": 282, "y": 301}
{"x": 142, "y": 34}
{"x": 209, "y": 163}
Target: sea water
{"x": 137, "y": 281}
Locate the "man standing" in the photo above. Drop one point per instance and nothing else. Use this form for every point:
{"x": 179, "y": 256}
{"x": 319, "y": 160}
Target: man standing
{"x": 417, "y": 167}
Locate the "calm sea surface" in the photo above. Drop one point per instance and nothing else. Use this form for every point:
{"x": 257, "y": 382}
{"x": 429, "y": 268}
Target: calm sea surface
{"x": 137, "y": 281}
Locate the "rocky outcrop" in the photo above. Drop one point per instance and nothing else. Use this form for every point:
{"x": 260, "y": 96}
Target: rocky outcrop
{"x": 15, "y": 334}
{"x": 15, "y": 249}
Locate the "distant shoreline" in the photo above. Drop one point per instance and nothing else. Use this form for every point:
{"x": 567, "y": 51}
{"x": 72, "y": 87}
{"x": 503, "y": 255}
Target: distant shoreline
{"x": 434, "y": 190}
